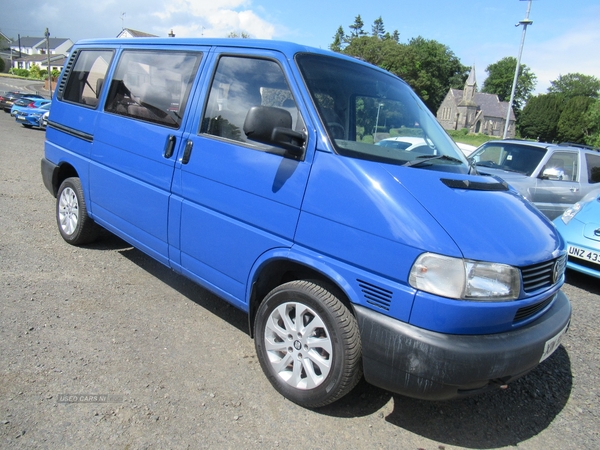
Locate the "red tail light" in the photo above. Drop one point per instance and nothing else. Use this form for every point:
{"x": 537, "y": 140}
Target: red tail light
{"x": 31, "y": 105}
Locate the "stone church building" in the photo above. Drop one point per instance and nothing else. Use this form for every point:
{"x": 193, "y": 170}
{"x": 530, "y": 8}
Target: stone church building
{"x": 476, "y": 111}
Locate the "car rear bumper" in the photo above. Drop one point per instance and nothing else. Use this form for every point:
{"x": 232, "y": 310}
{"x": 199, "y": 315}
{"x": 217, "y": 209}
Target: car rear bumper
{"x": 424, "y": 364}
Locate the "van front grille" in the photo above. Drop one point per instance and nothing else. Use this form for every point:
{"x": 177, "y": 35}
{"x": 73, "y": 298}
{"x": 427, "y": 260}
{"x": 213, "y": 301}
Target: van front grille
{"x": 531, "y": 310}
{"x": 543, "y": 275}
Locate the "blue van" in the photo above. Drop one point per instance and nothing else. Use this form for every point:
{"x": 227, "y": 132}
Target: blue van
{"x": 252, "y": 168}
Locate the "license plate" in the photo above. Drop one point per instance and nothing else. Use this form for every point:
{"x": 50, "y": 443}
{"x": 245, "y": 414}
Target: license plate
{"x": 21, "y": 117}
{"x": 581, "y": 253}
{"x": 552, "y": 344}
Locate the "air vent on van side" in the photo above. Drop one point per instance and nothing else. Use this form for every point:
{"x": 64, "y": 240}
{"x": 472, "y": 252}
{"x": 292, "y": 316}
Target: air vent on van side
{"x": 375, "y": 295}
{"x": 66, "y": 71}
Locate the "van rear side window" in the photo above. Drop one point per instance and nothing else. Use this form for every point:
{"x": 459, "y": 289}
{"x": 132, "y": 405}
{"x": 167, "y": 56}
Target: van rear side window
{"x": 85, "y": 79}
{"x": 153, "y": 85}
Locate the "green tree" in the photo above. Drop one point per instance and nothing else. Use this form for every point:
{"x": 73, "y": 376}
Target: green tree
{"x": 575, "y": 85}
{"x": 377, "y": 29}
{"x": 500, "y": 79}
{"x": 571, "y": 125}
{"x": 540, "y": 116}
{"x": 357, "y": 27}
{"x": 591, "y": 120}
{"x": 339, "y": 40}
{"x": 430, "y": 68}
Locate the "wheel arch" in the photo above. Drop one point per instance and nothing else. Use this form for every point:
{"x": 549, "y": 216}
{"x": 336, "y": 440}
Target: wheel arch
{"x": 61, "y": 173}
{"x": 280, "y": 269}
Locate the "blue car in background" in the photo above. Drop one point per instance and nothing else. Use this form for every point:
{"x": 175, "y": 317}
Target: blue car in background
{"x": 580, "y": 227}
{"x": 27, "y": 102}
{"x": 33, "y": 117}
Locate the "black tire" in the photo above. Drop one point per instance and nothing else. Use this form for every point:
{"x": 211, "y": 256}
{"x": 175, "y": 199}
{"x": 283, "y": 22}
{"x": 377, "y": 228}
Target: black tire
{"x": 74, "y": 224}
{"x": 26, "y": 125}
{"x": 321, "y": 361}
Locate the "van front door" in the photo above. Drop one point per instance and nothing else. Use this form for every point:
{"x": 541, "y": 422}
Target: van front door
{"x": 136, "y": 145}
{"x": 239, "y": 198}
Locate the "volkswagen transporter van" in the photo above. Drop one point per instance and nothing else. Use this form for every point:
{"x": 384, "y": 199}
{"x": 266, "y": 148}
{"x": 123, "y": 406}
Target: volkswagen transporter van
{"x": 251, "y": 167}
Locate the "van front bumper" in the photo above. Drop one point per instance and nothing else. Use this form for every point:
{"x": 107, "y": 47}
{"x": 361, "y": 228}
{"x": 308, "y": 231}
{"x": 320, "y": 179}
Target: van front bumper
{"x": 419, "y": 363}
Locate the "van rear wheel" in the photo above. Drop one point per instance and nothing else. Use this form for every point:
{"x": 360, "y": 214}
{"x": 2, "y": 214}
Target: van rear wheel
{"x": 308, "y": 343}
{"x": 74, "y": 224}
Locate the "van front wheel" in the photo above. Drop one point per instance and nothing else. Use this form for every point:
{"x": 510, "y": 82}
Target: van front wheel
{"x": 308, "y": 343}
{"x": 74, "y": 224}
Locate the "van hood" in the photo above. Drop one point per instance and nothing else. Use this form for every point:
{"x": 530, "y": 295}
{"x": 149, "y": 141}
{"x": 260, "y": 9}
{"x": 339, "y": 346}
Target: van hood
{"x": 487, "y": 218}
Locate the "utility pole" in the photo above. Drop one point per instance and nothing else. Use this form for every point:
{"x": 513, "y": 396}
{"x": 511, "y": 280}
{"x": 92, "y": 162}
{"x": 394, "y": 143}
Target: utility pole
{"x": 47, "y": 34}
{"x": 523, "y": 22}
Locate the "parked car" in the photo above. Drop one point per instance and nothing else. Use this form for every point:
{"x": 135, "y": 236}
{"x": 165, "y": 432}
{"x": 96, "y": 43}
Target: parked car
{"x": 552, "y": 176}
{"x": 32, "y": 117}
{"x": 408, "y": 144}
{"x": 8, "y": 98}
{"x": 467, "y": 149}
{"x": 27, "y": 102}
{"x": 44, "y": 121}
{"x": 579, "y": 225}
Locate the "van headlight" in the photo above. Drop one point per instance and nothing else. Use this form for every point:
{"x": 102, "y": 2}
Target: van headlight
{"x": 464, "y": 279}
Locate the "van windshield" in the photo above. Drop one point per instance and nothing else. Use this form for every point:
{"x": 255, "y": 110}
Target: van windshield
{"x": 373, "y": 115}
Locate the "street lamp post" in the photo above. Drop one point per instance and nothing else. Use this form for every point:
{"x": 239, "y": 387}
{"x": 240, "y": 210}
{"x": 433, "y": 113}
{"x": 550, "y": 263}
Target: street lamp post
{"x": 376, "y": 122}
{"x": 525, "y": 22}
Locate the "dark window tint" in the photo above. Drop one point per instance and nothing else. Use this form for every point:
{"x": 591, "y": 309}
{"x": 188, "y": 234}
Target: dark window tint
{"x": 593, "y": 163}
{"x": 153, "y": 86}
{"x": 84, "y": 77}
{"x": 238, "y": 85}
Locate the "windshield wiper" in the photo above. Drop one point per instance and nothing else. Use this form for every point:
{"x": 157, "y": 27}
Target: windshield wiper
{"x": 424, "y": 159}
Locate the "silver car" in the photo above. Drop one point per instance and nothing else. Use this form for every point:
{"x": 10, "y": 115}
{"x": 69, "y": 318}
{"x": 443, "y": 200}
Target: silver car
{"x": 552, "y": 176}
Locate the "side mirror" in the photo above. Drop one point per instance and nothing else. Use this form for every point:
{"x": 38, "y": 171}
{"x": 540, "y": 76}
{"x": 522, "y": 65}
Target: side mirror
{"x": 273, "y": 126}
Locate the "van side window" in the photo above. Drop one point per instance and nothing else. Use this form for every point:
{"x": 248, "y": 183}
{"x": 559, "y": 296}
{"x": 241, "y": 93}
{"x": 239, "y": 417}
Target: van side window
{"x": 593, "y": 163}
{"x": 239, "y": 84}
{"x": 153, "y": 86}
{"x": 84, "y": 79}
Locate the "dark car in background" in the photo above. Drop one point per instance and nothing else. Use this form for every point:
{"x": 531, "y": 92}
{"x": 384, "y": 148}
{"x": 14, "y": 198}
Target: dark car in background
{"x": 551, "y": 176}
{"x": 7, "y": 99}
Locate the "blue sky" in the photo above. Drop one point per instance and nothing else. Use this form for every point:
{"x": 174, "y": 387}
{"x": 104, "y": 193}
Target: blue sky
{"x": 564, "y": 37}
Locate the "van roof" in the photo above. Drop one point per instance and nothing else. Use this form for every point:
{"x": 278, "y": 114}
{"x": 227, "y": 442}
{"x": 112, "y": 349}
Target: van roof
{"x": 281, "y": 46}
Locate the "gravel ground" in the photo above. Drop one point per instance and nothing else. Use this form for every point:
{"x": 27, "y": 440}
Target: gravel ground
{"x": 165, "y": 364}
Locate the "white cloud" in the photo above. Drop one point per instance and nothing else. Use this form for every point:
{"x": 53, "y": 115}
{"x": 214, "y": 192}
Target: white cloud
{"x": 218, "y": 18}
{"x": 573, "y": 51}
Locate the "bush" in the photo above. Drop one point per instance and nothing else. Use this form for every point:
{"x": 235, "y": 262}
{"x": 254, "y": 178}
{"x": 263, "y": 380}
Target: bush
{"x": 19, "y": 72}
{"x": 2, "y": 65}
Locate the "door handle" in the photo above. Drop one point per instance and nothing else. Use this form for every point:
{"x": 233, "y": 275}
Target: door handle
{"x": 187, "y": 152}
{"x": 169, "y": 147}
{"x": 574, "y": 189}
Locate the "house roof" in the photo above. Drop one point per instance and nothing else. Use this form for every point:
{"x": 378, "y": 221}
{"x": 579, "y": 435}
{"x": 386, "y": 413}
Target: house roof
{"x": 490, "y": 104}
{"x": 32, "y": 42}
{"x": 128, "y": 32}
